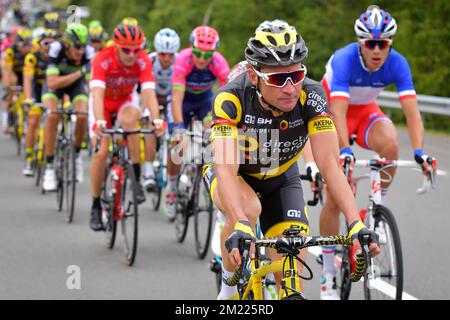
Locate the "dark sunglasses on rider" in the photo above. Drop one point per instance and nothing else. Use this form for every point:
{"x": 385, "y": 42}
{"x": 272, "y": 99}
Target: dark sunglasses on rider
{"x": 371, "y": 44}
{"x": 166, "y": 54}
{"x": 24, "y": 44}
{"x": 202, "y": 54}
{"x": 45, "y": 43}
{"x": 279, "y": 79}
{"x": 79, "y": 46}
{"x": 128, "y": 51}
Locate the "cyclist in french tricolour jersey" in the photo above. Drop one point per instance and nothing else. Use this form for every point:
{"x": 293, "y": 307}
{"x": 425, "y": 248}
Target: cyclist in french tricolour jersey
{"x": 354, "y": 77}
{"x": 167, "y": 44}
{"x": 195, "y": 71}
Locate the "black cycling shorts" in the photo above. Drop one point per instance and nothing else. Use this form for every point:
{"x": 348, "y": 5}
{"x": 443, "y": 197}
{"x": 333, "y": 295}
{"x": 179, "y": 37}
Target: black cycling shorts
{"x": 37, "y": 91}
{"x": 76, "y": 91}
{"x": 281, "y": 200}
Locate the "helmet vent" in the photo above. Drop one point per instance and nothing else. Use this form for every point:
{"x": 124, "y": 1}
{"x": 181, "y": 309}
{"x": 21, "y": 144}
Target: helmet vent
{"x": 287, "y": 38}
{"x": 272, "y": 40}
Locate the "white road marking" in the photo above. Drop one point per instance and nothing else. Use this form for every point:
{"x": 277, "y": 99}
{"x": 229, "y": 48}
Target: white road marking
{"x": 378, "y": 284}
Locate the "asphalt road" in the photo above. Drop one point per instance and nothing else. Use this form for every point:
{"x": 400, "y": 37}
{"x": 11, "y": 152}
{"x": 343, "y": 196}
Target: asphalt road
{"x": 38, "y": 249}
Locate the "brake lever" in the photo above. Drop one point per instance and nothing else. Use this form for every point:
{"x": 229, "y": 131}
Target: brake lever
{"x": 431, "y": 173}
{"x": 245, "y": 256}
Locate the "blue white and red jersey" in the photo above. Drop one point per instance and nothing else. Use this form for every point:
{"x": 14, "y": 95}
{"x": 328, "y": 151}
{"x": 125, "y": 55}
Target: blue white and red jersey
{"x": 347, "y": 78}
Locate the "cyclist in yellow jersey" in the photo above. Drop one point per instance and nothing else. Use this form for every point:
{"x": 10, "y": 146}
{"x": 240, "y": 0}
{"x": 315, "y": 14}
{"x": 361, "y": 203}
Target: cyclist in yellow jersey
{"x": 261, "y": 123}
{"x": 12, "y": 66}
{"x": 33, "y": 80}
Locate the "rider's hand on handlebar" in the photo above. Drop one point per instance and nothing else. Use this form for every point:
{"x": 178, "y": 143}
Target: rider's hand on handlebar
{"x": 234, "y": 244}
{"x": 357, "y": 228}
{"x": 311, "y": 172}
{"x": 347, "y": 158}
{"x": 428, "y": 163}
{"x": 99, "y": 126}
{"x": 346, "y": 152}
{"x": 160, "y": 127}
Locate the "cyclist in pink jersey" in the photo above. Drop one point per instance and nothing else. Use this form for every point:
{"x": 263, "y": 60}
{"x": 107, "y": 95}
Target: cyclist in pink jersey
{"x": 195, "y": 71}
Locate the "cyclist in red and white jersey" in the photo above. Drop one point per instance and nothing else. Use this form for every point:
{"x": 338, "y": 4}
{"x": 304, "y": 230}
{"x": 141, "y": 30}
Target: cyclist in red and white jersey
{"x": 116, "y": 71}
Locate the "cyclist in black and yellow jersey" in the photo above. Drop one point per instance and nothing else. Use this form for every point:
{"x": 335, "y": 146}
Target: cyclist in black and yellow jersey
{"x": 261, "y": 123}
{"x": 34, "y": 68}
{"x": 12, "y": 66}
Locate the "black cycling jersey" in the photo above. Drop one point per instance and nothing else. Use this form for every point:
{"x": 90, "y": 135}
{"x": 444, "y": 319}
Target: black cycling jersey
{"x": 59, "y": 63}
{"x": 269, "y": 145}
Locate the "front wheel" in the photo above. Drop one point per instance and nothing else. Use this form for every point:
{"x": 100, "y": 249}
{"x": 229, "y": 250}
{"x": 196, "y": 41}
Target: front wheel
{"x": 130, "y": 216}
{"x": 70, "y": 181}
{"x": 203, "y": 215}
{"x": 344, "y": 273}
{"x": 388, "y": 265}
{"x": 60, "y": 174}
{"x": 109, "y": 199}
{"x": 183, "y": 202}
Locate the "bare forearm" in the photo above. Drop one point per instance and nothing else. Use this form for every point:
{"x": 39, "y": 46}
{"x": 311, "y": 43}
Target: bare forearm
{"x": 415, "y": 124}
{"x": 58, "y": 82}
{"x": 231, "y": 200}
{"x": 150, "y": 102}
{"x": 326, "y": 153}
{"x": 339, "y": 109}
{"x": 7, "y": 77}
{"x": 27, "y": 86}
{"x": 177, "y": 104}
{"x": 98, "y": 94}
{"x": 339, "y": 189}
{"x": 307, "y": 153}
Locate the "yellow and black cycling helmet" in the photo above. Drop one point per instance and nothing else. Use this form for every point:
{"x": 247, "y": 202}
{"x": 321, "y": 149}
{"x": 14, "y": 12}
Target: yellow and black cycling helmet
{"x": 49, "y": 33}
{"x": 129, "y": 21}
{"x": 96, "y": 33}
{"x": 23, "y": 34}
{"x": 275, "y": 43}
{"x": 52, "y": 20}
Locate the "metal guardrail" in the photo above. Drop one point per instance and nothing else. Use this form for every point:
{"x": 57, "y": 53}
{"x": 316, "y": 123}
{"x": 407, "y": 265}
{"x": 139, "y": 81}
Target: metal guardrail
{"x": 427, "y": 104}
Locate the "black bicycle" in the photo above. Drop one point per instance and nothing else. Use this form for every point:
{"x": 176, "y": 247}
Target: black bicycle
{"x": 65, "y": 158}
{"x": 192, "y": 199}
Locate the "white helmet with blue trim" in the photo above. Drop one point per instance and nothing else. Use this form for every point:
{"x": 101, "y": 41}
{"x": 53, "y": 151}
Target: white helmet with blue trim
{"x": 167, "y": 41}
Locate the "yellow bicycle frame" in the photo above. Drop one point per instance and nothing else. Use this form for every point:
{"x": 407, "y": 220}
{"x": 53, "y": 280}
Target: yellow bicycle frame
{"x": 18, "y": 109}
{"x": 290, "y": 282}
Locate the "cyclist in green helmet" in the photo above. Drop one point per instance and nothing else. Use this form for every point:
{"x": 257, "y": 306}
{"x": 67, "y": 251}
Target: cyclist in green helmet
{"x": 68, "y": 65}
